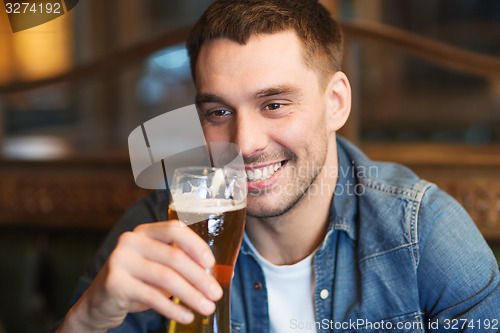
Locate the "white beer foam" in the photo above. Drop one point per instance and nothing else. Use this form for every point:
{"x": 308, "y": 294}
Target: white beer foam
{"x": 194, "y": 211}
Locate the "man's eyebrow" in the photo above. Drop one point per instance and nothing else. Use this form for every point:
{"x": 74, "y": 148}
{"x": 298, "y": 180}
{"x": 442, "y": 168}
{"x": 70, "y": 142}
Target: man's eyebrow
{"x": 208, "y": 98}
{"x": 284, "y": 89}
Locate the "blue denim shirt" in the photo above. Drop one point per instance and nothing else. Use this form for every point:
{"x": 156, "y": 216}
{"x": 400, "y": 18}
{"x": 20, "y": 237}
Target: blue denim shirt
{"x": 399, "y": 255}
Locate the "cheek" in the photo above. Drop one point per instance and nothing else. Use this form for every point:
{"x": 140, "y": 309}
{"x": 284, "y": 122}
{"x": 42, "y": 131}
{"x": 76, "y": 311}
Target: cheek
{"x": 296, "y": 136}
{"x": 307, "y": 131}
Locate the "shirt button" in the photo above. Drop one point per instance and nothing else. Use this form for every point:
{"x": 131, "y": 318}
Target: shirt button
{"x": 257, "y": 285}
{"x": 324, "y": 294}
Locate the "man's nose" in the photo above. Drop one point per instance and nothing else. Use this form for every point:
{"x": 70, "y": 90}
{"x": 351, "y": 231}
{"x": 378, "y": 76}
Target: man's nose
{"x": 250, "y": 134}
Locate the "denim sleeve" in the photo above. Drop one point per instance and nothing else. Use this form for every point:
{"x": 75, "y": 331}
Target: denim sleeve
{"x": 458, "y": 275}
{"x": 145, "y": 210}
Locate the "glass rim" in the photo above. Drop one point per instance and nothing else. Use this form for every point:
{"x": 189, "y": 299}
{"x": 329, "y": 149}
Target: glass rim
{"x": 195, "y": 171}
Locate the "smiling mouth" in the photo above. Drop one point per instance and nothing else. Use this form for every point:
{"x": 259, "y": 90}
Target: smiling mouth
{"x": 259, "y": 174}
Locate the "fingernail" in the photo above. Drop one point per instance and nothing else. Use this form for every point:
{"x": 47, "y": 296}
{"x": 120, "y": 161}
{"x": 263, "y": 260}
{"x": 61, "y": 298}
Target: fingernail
{"x": 186, "y": 317}
{"x": 215, "y": 291}
{"x": 207, "y": 306}
{"x": 208, "y": 259}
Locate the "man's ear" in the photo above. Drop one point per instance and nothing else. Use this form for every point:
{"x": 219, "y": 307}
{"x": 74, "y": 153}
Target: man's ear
{"x": 338, "y": 101}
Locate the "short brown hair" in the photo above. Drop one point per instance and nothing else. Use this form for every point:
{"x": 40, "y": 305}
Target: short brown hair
{"x": 238, "y": 20}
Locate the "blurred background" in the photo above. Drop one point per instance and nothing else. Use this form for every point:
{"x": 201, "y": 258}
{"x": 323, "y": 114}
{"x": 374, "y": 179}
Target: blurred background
{"x": 426, "y": 93}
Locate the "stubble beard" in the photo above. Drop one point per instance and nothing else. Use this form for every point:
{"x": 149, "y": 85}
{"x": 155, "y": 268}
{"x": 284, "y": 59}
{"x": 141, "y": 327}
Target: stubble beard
{"x": 295, "y": 174}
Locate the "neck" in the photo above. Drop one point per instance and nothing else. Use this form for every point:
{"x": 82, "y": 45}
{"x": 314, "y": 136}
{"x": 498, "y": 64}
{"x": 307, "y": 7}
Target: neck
{"x": 293, "y": 236}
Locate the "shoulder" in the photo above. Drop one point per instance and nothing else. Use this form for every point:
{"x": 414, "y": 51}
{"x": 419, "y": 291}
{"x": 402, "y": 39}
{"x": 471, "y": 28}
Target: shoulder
{"x": 384, "y": 186}
{"x": 395, "y": 205}
{"x": 393, "y": 184}
{"x": 385, "y": 177}
{"x": 398, "y": 195}
{"x": 394, "y": 198}
{"x": 410, "y": 224}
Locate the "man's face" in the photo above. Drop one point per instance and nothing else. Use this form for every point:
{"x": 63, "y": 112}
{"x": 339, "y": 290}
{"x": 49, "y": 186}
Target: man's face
{"x": 262, "y": 97}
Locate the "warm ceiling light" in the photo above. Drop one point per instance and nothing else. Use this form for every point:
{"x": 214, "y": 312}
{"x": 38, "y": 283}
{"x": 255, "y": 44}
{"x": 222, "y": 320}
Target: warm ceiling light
{"x": 36, "y": 53}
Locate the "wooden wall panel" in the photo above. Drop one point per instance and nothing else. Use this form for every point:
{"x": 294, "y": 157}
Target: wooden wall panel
{"x": 74, "y": 194}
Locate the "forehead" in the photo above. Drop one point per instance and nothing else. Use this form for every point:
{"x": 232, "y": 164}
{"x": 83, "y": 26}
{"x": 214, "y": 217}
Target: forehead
{"x": 266, "y": 54}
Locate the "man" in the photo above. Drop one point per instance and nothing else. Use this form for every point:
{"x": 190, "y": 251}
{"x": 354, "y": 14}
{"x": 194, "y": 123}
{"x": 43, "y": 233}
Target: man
{"x": 333, "y": 240}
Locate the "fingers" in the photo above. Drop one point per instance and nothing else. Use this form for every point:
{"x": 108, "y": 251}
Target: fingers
{"x": 179, "y": 270}
{"x": 172, "y": 270}
{"x": 145, "y": 269}
{"x": 188, "y": 246}
{"x": 182, "y": 236}
{"x": 167, "y": 279}
{"x": 145, "y": 294}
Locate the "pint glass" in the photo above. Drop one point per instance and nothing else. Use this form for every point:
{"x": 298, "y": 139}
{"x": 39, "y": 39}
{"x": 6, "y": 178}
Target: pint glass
{"x": 211, "y": 201}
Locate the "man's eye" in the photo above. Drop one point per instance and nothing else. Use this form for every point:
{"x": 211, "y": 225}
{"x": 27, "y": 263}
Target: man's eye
{"x": 219, "y": 113}
{"x": 273, "y": 106}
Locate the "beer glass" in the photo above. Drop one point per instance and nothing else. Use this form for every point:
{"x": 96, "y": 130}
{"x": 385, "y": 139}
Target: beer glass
{"x": 212, "y": 202}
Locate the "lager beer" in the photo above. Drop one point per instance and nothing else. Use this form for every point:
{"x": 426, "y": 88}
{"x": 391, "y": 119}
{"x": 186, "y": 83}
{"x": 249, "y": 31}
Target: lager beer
{"x": 221, "y": 224}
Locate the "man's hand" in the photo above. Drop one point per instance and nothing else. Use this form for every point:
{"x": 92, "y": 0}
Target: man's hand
{"x": 143, "y": 272}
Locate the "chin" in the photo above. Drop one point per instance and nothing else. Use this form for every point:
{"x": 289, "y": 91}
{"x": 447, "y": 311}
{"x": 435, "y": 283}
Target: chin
{"x": 263, "y": 207}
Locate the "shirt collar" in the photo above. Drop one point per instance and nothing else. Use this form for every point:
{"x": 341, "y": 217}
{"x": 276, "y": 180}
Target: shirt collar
{"x": 343, "y": 210}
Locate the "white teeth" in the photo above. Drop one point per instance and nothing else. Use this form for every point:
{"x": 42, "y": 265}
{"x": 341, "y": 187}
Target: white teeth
{"x": 263, "y": 173}
{"x": 270, "y": 170}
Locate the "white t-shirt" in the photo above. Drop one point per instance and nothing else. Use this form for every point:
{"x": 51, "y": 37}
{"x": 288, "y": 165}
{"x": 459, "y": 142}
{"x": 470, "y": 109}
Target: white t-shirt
{"x": 290, "y": 294}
